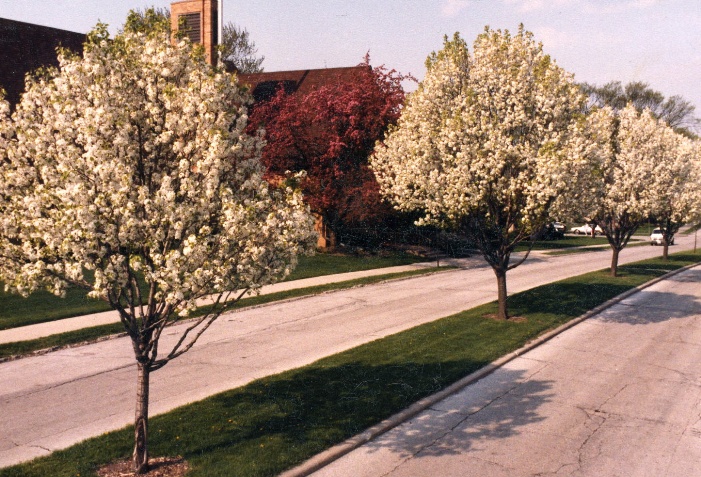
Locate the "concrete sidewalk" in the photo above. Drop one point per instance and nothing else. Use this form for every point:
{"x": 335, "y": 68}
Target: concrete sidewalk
{"x": 41, "y": 330}
{"x": 618, "y": 394}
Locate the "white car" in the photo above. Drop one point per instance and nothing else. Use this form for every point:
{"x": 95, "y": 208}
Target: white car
{"x": 656, "y": 238}
{"x": 586, "y": 230}
{"x": 559, "y": 228}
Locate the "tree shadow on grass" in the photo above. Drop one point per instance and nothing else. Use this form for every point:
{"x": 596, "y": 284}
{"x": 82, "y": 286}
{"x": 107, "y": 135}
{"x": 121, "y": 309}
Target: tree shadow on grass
{"x": 569, "y": 300}
{"x": 274, "y": 424}
{"x": 573, "y": 298}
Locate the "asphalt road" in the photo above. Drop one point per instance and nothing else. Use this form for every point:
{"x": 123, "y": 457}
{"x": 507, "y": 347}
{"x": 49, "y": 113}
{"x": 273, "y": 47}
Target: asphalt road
{"x": 617, "y": 395}
{"x": 52, "y": 401}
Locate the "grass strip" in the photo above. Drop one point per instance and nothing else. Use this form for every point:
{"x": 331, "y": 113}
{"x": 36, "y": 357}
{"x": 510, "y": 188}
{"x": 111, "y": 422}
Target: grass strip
{"x": 566, "y": 242}
{"x": 323, "y": 264}
{"x": 42, "y": 306}
{"x": 84, "y": 335}
{"x": 593, "y": 249}
{"x": 279, "y": 421}
{"x": 577, "y": 250}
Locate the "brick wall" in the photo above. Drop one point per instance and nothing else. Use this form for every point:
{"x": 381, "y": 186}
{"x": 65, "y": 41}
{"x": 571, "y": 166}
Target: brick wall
{"x": 207, "y": 10}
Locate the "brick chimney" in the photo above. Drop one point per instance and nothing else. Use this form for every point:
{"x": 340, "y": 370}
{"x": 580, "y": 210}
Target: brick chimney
{"x": 200, "y": 18}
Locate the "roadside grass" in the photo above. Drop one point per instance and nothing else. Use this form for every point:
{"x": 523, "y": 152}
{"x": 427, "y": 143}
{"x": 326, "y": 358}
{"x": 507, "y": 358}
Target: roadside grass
{"x": 329, "y": 263}
{"x": 568, "y": 241}
{"x": 84, "y": 335}
{"x": 279, "y": 421}
{"x": 42, "y": 306}
{"x": 691, "y": 229}
{"x": 645, "y": 229}
{"x": 569, "y": 251}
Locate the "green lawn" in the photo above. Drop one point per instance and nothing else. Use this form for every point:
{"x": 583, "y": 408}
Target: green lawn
{"x": 329, "y": 264}
{"x": 645, "y": 229}
{"x": 569, "y": 241}
{"x": 277, "y": 422}
{"x": 42, "y": 306}
{"x": 569, "y": 251}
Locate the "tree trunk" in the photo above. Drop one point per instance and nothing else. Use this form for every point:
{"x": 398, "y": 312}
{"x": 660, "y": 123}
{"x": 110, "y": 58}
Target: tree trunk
{"x": 614, "y": 262}
{"x": 502, "y": 313}
{"x": 140, "y": 456}
{"x": 665, "y": 249}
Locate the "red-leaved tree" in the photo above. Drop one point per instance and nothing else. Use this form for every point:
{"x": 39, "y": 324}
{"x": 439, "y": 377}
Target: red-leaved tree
{"x": 329, "y": 132}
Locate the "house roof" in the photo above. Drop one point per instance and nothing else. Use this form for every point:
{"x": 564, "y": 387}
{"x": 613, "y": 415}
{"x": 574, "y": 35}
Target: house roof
{"x": 24, "y": 47}
{"x": 263, "y": 86}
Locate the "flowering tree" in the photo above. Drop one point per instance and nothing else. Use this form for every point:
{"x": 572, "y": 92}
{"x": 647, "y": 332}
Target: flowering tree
{"x": 128, "y": 173}
{"x": 329, "y": 132}
{"x": 677, "y": 184}
{"x": 627, "y": 174}
{"x": 482, "y": 146}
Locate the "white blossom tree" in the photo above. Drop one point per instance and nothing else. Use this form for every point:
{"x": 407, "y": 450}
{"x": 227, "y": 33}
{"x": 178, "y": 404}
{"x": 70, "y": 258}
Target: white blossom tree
{"x": 127, "y": 172}
{"x": 677, "y": 183}
{"x": 483, "y": 146}
{"x": 624, "y": 179}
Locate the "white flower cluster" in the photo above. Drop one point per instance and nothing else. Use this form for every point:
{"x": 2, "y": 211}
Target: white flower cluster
{"x": 130, "y": 165}
{"x": 485, "y": 135}
{"x": 637, "y": 167}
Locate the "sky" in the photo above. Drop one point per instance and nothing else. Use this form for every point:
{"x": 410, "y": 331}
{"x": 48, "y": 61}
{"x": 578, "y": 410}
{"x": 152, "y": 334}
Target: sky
{"x": 654, "y": 41}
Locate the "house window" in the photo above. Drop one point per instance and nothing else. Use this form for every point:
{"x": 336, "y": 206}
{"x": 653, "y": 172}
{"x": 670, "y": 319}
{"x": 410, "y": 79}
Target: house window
{"x": 190, "y": 23}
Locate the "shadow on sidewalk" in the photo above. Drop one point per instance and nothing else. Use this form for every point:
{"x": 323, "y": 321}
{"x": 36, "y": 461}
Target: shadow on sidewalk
{"x": 488, "y": 409}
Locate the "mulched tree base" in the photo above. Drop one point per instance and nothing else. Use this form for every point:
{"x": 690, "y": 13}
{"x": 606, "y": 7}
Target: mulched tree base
{"x": 160, "y": 467}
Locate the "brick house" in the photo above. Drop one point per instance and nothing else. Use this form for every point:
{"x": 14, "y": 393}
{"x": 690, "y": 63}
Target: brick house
{"x": 24, "y": 47}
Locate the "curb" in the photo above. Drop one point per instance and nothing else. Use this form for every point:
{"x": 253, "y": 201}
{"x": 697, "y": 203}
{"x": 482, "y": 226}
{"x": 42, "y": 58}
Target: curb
{"x": 336, "y": 452}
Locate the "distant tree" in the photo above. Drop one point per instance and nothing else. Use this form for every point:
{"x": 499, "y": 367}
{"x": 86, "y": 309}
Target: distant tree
{"x": 677, "y": 112}
{"x": 677, "y": 185}
{"x": 239, "y": 51}
{"x": 481, "y": 147}
{"x": 128, "y": 173}
{"x": 627, "y": 175}
{"x": 237, "y": 48}
{"x": 143, "y": 18}
{"x": 329, "y": 132}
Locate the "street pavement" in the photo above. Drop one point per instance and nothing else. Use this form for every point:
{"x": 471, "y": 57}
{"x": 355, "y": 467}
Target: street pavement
{"x": 617, "y": 395}
{"x": 52, "y": 401}
{"x": 41, "y": 330}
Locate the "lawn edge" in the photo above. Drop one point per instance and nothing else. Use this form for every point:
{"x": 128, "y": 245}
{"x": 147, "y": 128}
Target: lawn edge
{"x": 41, "y": 352}
{"x": 334, "y": 453}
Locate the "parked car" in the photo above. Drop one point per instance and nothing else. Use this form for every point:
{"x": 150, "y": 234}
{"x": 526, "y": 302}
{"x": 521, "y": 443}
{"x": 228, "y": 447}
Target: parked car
{"x": 657, "y": 238}
{"x": 586, "y": 230}
{"x": 558, "y": 227}
{"x": 553, "y": 231}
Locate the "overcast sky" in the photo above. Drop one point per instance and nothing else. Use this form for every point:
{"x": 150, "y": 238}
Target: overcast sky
{"x": 655, "y": 41}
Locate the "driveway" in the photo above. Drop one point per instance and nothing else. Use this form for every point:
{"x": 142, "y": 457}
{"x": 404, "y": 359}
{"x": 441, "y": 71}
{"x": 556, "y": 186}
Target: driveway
{"x": 52, "y": 401}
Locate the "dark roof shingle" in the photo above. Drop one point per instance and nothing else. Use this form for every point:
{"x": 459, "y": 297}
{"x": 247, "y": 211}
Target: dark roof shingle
{"x": 264, "y": 85}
